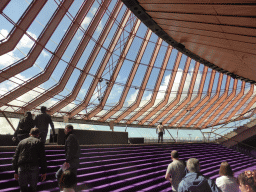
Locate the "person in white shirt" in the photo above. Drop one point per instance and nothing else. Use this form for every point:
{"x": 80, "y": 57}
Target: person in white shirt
{"x": 227, "y": 182}
{"x": 175, "y": 171}
{"x": 160, "y": 130}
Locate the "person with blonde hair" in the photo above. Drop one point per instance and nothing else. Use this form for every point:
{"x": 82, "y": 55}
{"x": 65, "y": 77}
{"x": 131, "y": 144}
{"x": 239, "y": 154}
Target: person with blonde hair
{"x": 227, "y": 182}
{"x": 247, "y": 181}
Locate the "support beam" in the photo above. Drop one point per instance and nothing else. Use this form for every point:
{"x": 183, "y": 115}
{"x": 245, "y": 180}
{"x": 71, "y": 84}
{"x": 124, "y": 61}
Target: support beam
{"x": 22, "y": 65}
{"x": 8, "y": 121}
{"x": 187, "y": 99}
{"x": 54, "y": 90}
{"x": 168, "y": 90}
{"x": 145, "y": 80}
{"x": 196, "y": 100}
{"x": 91, "y": 122}
{"x": 116, "y": 70}
{"x": 103, "y": 64}
{"x": 23, "y": 24}
{"x": 170, "y": 135}
{"x": 98, "y": 45}
{"x": 130, "y": 78}
{"x": 213, "y": 107}
{"x": 178, "y": 95}
{"x": 3, "y": 4}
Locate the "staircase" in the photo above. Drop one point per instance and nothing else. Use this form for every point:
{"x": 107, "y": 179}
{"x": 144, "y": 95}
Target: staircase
{"x": 235, "y": 133}
{"x": 123, "y": 168}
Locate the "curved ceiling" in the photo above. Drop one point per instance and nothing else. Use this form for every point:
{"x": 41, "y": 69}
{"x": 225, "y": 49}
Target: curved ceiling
{"x": 96, "y": 62}
{"x": 220, "y": 34}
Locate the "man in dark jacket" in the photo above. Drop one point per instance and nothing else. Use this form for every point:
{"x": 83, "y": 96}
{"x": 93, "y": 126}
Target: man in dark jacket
{"x": 29, "y": 155}
{"x": 194, "y": 181}
{"x": 42, "y": 122}
{"x": 24, "y": 127}
{"x": 72, "y": 152}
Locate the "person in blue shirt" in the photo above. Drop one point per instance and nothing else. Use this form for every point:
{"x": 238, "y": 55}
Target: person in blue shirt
{"x": 194, "y": 181}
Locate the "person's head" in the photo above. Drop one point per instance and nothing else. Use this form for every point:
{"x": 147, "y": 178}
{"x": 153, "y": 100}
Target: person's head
{"x": 174, "y": 154}
{"x": 67, "y": 180}
{"x": 160, "y": 123}
{"x": 193, "y": 165}
{"x": 28, "y": 115}
{"x": 43, "y": 109}
{"x": 225, "y": 169}
{"x": 68, "y": 128}
{"x": 34, "y": 132}
{"x": 247, "y": 181}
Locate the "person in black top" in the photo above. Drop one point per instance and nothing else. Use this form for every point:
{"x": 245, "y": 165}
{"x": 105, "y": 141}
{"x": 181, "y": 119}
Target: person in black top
{"x": 29, "y": 155}
{"x": 42, "y": 122}
{"x": 24, "y": 127}
{"x": 72, "y": 153}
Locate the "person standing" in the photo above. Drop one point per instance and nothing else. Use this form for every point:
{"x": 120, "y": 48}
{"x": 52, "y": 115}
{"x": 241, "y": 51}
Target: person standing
{"x": 29, "y": 155}
{"x": 175, "y": 171}
{"x": 160, "y": 130}
{"x": 227, "y": 182}
{"x": 194, "y": 181}
{"x": 24, "y": 127}
{"x": 42, "y": 122}
{"x": 72, "y": 152}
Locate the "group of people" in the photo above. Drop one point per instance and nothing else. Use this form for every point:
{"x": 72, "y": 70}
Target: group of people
{"x": 41, "y": 121}
{"x": 30, "y": 153}
{"x": 186, "y": 177}
{"x": 183, "y": 176}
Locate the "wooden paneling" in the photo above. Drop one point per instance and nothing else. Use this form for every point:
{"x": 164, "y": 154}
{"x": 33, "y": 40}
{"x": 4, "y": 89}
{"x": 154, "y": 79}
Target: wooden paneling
{"x": 194, "y": 1}
{"x": 222, "y": 33}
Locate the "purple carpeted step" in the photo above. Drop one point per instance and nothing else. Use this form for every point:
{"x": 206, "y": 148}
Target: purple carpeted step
{"x": 117, "y": 162}
{"x": 129, "y": 181}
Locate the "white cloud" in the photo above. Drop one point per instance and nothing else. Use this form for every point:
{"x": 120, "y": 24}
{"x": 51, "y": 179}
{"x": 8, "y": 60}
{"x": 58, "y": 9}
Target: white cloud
{"x": 115, "y": 94}
{"x": 84, "y": 25}
{"x": 3, "y": 34}
{"x": 20, "y": 78}
{"x": 100, "y": 27}
{"x": 26, "y": 42}
{"x": 8, "y": 85}
{"x": 133, "y": 96}
{"x": 8, "y": 59}
{"x": 45, "y": 54}
{"x": 93, "y": 10}
{"x": 86, "y": 22}
{"x": 163, "y": 88}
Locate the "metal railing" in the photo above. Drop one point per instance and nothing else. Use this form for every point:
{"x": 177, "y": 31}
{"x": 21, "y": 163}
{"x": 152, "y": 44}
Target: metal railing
{"x": 181, "y": 140}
